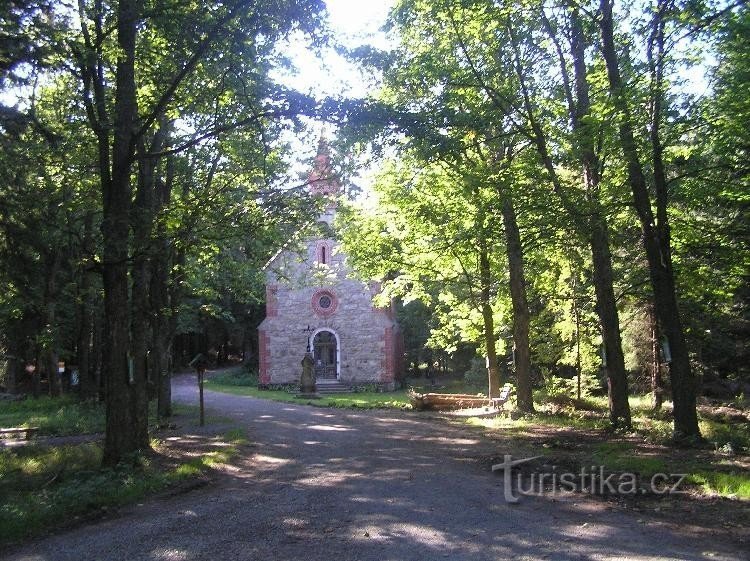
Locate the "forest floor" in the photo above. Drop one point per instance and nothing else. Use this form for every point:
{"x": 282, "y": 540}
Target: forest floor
{"x": 55, "y": 480}
{"x": 387, "y": 484}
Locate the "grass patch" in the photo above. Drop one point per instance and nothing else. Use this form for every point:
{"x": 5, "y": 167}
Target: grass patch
{"x": 356, "y": 400}
{"x": 238, "y": 381}
{"x": 539, "y": 419}
{"x": 40, "y": 487}
{"x": 55, "y": 416}
{"x": 726, "y": 436}
{"x": 725, "y": 484}
{"x": 621, "y": 456}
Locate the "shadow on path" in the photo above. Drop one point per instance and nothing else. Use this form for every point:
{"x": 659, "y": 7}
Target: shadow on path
{"x": 330, "y": 484}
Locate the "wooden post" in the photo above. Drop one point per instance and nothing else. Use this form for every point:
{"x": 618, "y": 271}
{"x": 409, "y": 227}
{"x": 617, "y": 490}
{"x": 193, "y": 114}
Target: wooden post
{"x": 200, "y": 363}
{"x": 201, "y": 372}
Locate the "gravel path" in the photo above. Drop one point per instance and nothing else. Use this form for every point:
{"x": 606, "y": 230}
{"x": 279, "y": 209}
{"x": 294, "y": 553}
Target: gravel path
{"x": 326, "y": 484}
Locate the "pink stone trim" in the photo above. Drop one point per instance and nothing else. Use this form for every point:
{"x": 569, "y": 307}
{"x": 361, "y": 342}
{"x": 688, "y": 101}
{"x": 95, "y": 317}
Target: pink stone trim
{"x": 389, "y": 362}
{"x": 272, "y": 300}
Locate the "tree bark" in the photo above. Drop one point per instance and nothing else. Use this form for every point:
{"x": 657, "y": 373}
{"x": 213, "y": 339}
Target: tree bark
{"x": 127, "y": 420}
{"x": 656, "y": 244}
{"x": 606, "y": 307}
{"x": 160, "y": 305}
{"x": 524, "y": 396}
{"x": 142, "y": 221}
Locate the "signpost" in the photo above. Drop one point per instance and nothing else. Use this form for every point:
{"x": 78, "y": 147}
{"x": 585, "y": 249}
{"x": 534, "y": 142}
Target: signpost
{"x": 200, "y": 363}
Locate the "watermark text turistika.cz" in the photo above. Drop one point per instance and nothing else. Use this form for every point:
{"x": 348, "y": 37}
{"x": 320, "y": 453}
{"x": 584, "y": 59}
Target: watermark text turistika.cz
{"x": 595, "y": 480}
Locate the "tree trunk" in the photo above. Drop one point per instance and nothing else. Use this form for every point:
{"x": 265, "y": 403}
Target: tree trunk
{"x": 597, "y": 228}
{"x": 162, "y": 365}
{"x": 86, "y": 381}
{"x": 606, "y": 304}
{"x": 12, "y": 368}
{"x": 36, "y": 383}
{"x": 142, "y": 220}
{"x": 97, "y": 354}
{"x": 524, "y": 396}
{"x": 485, "y": 279}
{"x": 49, "y": 364}
{"x": 606, "y": 307}
{"x": 657, "y": 247}
{"x": 159, "y": 294}
{"x": 88, "y": 386}
{"x": 657, "y": 389}
{"x": 127, "y": 420}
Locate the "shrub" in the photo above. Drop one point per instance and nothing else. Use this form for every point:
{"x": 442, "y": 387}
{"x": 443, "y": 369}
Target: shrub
{"x": 366, "y": 388}
{"x": 556, "y": 386}
{"x": 240, "y": 376}
{"x": 476, "y": 376}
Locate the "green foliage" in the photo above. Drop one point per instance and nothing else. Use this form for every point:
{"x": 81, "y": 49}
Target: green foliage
{"x": 45, "y": 487}
{"x": 558, "y": 386}
{"x": 422, "y": 243}
{"x": 54, "y": 416}
{"x": 729, "y": 437}
{"x": 475, "y": 377}
{"x": 236, "y": 377}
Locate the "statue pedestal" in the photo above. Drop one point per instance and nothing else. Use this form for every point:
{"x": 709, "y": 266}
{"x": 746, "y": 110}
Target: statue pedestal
{"x": 307, "y": 381}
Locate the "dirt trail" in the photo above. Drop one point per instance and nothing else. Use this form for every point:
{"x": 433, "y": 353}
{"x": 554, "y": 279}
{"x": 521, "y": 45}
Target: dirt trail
{"x": 325, "y": 484}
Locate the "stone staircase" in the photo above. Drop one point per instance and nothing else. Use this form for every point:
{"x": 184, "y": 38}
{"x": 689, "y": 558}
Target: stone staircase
{"x": 326, "y": 386}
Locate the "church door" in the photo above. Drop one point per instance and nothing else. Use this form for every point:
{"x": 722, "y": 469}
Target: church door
{"x": 324, "y": 346}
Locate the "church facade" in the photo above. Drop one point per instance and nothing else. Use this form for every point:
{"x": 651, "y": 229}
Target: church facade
{"x": 312, "y": 300}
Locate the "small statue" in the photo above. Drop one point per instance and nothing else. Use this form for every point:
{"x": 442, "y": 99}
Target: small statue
{"x": 307, "y": 381}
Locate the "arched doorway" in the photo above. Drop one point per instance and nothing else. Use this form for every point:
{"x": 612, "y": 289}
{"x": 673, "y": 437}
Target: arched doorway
{"x": 326, "y": 354}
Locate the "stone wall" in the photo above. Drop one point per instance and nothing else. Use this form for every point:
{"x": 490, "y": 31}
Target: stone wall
{"x": 368, "y": 337}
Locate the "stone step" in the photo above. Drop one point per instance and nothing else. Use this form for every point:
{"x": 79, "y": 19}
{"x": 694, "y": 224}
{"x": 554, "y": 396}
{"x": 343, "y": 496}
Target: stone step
{"x": 324, "y": 386}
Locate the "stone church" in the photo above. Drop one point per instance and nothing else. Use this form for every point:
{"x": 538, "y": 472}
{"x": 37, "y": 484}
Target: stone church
{"x": 312, "y": 300}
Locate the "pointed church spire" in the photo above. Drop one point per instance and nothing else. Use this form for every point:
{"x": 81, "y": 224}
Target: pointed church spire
{"x": 322, "y": 180}
{"x": 323, "y": 148}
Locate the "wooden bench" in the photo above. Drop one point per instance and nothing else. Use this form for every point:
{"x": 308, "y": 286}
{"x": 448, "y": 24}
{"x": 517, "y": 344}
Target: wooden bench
{"x": 505, "y": 392}
{"x": 27, "y": 432}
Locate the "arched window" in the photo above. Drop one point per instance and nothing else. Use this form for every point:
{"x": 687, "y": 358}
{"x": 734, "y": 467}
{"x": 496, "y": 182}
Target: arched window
{"x": 323, "y": 252}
